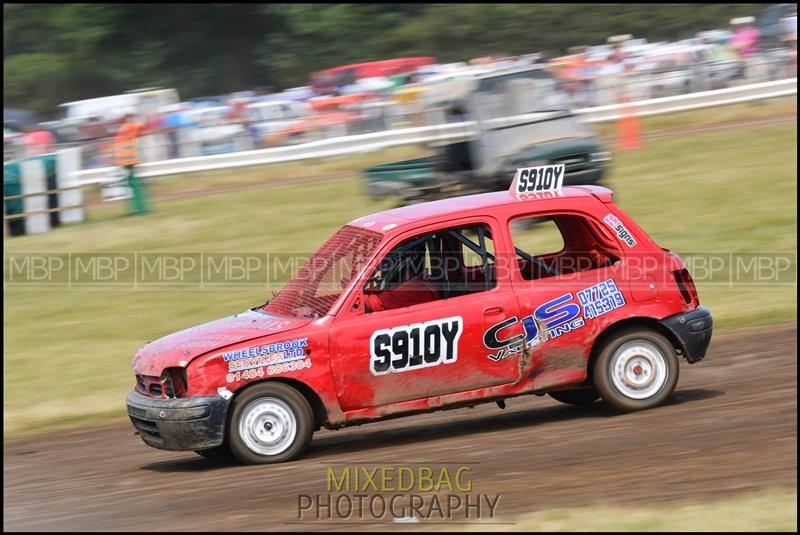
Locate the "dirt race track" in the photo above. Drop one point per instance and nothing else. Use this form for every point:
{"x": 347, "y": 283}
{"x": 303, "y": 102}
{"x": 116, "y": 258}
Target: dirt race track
{"x": 731, "y": 426}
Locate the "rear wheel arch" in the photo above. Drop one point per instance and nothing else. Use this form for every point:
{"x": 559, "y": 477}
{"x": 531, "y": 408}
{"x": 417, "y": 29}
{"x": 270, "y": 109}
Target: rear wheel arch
{"x": 642, "y": 322}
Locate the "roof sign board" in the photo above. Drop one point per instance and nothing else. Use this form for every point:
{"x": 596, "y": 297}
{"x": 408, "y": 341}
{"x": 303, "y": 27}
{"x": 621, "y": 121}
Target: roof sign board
{"x": 537, "y": 179}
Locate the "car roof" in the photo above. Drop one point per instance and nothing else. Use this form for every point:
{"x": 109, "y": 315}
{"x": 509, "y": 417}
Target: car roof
{"x": 470, "y": 205}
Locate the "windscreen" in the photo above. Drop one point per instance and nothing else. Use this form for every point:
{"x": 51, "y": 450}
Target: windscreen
{"x": 320, "y": 281}
{"x": 516, "y": 111}
{"x": 517, "y": 93}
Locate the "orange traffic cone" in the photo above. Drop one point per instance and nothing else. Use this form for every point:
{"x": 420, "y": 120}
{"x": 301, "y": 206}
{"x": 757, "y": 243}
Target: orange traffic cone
{"x": 629, "y": 127}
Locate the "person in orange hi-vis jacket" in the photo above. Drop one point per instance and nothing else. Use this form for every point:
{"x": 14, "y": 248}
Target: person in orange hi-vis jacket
{"x": 126, "y": 155}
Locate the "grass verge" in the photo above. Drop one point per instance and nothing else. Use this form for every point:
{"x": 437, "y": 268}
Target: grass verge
{"x": 770, "y": 510}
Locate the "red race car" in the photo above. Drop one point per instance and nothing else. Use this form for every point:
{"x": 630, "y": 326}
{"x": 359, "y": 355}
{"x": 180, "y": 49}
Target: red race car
{"x": 446, "y": 304}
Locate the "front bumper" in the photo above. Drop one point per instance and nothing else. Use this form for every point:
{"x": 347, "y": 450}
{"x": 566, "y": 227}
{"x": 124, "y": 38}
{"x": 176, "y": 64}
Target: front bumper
{"x": 182, "y": 424}
{"x": 693, "y": 329}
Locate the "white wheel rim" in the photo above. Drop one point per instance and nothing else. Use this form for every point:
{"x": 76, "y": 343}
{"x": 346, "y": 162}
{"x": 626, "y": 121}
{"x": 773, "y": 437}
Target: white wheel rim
{"x": 267, "y": 426}
{"x": 638, "y": 369}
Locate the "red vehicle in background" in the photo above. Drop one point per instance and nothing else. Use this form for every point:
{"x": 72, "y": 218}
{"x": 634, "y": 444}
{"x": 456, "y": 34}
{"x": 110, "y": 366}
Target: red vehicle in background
{"x": 328, "y": 81}
{"x": 452, "y": 303}
{"x": 287, "y": 122}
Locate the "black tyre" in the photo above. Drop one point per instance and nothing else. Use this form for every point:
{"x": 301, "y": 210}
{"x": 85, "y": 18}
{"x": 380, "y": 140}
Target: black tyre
{"x": 637, "y": 369}
{"x": 582, "y": 396}
{"x": 218, "y": 453}
{"x": 270, "y": 423}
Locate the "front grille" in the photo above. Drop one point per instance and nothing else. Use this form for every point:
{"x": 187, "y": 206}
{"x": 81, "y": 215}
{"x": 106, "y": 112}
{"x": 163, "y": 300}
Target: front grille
{"x": 574, "y": 162}
{"x": 153, "y": 387}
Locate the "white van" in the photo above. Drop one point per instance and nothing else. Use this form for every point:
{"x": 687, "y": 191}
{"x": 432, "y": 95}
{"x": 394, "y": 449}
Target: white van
{"x": 114, "y": 107}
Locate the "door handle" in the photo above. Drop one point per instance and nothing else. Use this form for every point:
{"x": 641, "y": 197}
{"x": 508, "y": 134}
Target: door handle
{"x": 493, "y": 311}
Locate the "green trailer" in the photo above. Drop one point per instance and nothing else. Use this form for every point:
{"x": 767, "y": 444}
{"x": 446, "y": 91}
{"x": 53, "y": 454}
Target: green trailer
{"x": 399, "y": 179}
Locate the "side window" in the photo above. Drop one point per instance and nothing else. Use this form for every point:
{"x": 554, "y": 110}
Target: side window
{"x": 537, "y": 236}
{"x": 560, "y": 244}
{"x": 433, "y": 266}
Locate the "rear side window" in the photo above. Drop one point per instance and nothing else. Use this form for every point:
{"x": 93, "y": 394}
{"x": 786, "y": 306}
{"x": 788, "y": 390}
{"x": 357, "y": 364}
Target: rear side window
{"x": 560, "y": 244}
{"x": 537, "y": 236}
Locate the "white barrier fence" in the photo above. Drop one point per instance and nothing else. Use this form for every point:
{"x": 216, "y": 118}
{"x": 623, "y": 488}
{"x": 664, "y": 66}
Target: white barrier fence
{"x": 438, "y": 133}
{"x": 692, "y": 101}
{"x": 315, "y": 149}
{"x": 44, "y": 181}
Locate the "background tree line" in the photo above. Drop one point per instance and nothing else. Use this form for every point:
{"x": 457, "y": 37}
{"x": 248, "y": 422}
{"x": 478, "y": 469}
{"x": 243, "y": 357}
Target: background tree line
{"x": 56, "y": 53}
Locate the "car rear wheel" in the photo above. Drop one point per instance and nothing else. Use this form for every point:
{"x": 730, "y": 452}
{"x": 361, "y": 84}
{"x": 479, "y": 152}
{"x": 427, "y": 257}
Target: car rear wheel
{"x": 636, "y": 370}
{"x": 270, "y": 423}
{"x": 582, "y": 396}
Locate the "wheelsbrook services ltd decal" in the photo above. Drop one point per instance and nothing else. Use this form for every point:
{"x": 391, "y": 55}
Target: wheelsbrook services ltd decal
{"x": 553, "y": 319}
{"x": 268, "y": 359}
{"x": 622, "y": 233}
{"x": 416, "y": 346}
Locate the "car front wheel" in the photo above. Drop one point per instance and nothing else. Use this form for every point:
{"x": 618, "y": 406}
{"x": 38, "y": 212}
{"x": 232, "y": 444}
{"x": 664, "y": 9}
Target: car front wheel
{"x": 637, "y": 369}
{"x": 270, "y": 423}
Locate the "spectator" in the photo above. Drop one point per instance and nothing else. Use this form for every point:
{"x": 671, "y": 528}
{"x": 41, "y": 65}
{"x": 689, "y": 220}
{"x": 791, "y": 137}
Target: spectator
{"x": 618, "y": 64}
{"x": 618, "y": 55}
{"x": 789, "y": 37}
{"x": 251, "y": 130}
{"x": 38, "y": 141}
{"x": 745, "y": 43}
{"x": 239, "y": 114}
{"x": 172, "y": 123}
{"x": 745, "y": 37}
{"x": 126, "y": 155}
{"x": 585, "y": 73}
{"x": 125, "y": 150}
{"x": 789, "y": 27}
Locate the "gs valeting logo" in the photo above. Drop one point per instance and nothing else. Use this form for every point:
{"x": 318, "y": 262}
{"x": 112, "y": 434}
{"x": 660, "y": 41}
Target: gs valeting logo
{"x": 549, "y": 320}
{"x": 553, "y": 318}
{"x": 411, "y": 347}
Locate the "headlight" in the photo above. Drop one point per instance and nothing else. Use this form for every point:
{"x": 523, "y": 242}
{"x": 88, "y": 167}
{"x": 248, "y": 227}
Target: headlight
{"x": 174, "y": 381}
{"x": 603, "y": 156}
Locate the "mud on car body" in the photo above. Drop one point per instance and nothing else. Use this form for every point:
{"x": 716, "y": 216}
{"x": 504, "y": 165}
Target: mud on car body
{"x": 536, "y": 290}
